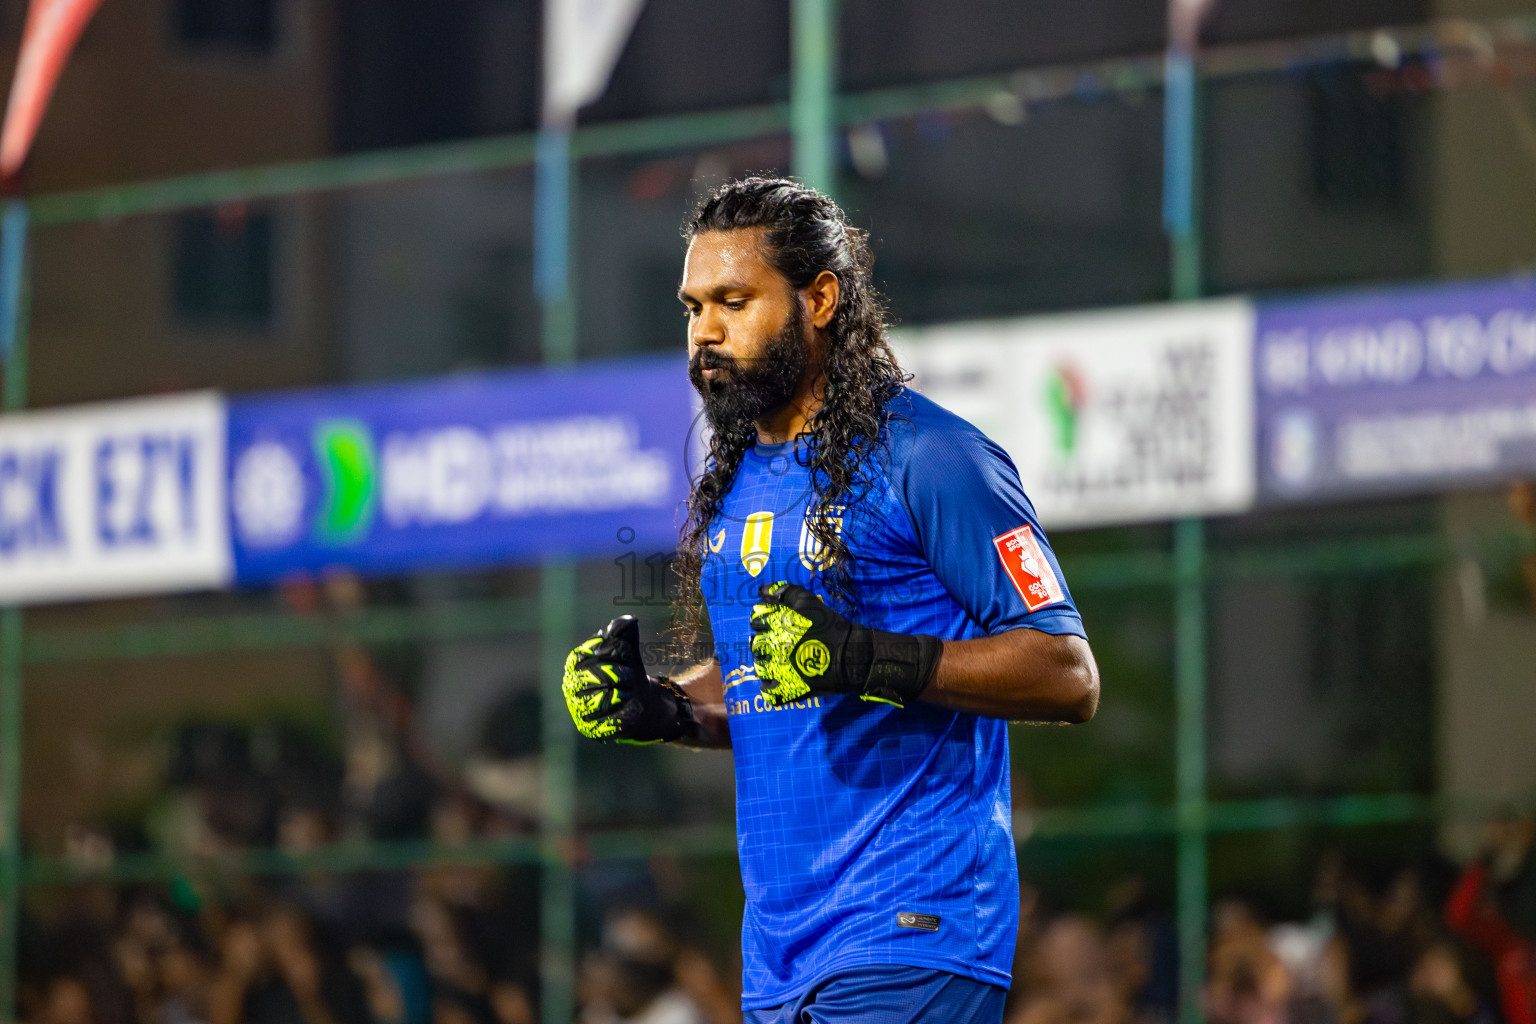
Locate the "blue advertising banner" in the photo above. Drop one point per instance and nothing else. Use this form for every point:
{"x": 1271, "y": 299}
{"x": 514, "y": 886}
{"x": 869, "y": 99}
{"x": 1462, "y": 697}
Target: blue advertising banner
{"x": 469, "y": 471}
{"x": 1396, "y": 390}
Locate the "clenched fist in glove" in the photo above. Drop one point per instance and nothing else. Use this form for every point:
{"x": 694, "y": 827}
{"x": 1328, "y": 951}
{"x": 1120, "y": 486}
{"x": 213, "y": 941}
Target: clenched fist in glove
{"x": 802, "y": 648}
{"x": 611, "y": 697}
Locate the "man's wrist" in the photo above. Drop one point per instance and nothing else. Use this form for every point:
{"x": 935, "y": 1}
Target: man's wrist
{"x": 684, "y": 725}
{"x": 901, "y": 667}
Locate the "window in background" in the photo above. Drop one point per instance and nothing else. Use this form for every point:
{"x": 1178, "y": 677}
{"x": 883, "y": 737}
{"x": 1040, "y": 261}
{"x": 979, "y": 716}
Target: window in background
{"x": 222, "y": 267}
{"x": 436, "y": 276}
{"x": 1316, "y": 180}
{"x": 1046, "y": 207}
{"x": 1359, "y": 139}
{"x": 246, "y": 25}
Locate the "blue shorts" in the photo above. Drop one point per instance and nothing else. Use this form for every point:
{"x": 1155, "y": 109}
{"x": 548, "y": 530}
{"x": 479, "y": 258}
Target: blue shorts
{"x": 890, "y": 994}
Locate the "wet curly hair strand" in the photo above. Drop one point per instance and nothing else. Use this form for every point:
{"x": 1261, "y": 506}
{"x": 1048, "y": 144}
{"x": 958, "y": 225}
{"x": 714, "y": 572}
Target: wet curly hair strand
{"x": 804, "y": 233}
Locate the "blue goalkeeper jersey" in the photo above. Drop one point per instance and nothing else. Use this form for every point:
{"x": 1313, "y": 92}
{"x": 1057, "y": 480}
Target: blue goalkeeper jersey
{"x": 871, "y": 834}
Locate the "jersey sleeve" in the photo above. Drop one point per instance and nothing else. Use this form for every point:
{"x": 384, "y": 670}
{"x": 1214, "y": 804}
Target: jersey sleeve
{"x": 977, "y": 529}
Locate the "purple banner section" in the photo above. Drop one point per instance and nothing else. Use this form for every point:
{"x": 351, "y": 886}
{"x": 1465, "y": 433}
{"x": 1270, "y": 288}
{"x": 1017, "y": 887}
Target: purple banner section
{"x": 462, "y": 472}
{"x": 1396, "y": 391}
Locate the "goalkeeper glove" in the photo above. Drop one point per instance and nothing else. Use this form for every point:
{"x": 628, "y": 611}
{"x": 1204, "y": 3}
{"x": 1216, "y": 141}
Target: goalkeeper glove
{"x": 802, "y": 648}
{"x": 611, "y": 697}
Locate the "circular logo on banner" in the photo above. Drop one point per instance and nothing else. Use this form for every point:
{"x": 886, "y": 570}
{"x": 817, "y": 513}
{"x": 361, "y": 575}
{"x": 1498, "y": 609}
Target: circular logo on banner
{"x": 267, "y": 495}
{"x": 1293, "y": 448}
{"x": 813, "y": 658}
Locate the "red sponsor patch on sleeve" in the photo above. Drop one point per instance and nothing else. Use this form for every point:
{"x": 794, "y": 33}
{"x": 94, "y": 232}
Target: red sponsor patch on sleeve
{"x": 1026, "y": 565}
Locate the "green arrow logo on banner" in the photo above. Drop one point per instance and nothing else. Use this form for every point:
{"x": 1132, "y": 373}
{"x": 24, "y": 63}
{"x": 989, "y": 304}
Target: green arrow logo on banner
{"x": 344, "y": 450}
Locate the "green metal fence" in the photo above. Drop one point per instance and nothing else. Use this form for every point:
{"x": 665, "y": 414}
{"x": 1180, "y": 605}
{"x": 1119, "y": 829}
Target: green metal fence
{"x": 1185, "y": 571}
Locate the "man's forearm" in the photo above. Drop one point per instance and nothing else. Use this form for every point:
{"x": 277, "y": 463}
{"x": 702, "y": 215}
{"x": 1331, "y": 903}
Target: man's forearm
{"x": 705, "y": 691}
{"x": 1020, "y": 675}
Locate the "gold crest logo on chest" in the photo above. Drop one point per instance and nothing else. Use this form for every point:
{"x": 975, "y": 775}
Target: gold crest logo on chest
{"x": 756, "y": 542}
{"x": 813, "y": 553}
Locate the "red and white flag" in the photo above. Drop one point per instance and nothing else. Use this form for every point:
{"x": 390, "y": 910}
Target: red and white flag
{"x": 53, "y": 28}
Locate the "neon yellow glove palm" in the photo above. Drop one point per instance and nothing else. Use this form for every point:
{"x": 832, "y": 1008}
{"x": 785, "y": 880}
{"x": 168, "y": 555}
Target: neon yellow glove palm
{"x": 610, "y": 696}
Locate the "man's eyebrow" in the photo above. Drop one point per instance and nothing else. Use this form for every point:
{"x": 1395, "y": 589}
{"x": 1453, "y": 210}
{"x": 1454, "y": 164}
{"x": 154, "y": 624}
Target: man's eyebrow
{"x": 715, "y": 291}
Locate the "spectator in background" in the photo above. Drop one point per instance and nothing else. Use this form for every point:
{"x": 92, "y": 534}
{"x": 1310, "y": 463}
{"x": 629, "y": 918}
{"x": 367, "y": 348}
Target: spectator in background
{"x": 1249, "y": 983}
{"x": 79, "y": 979}
{"x": 65, "y": 1000}
{"x": 457, "y": 973}
{"x": 1068, "y": 980}
{"x": 394, "y": 980}
{"x": 1490, "y": 908}
{"x": 632, "y": 978}
{"x": 274, "y": 969}
{"x": 1522, "y": 503}
{"x": 1512, "y": 871}
{"x": 1439, "y": 992}
{"x": 1143, "y": 954}
{"x": 185, "y": 970}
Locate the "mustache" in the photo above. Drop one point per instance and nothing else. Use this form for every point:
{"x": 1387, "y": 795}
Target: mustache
{"x": 710, "y": 359}
{"x": 734, "y": 366}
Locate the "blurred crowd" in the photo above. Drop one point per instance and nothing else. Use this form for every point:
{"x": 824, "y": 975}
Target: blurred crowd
{"x": 447, "y": 943}
{"x": 274, "y": 957}
{"x": 1426, "y": 942}
{"x": 1421, "y": 943}
{"x": 328, "y": 932}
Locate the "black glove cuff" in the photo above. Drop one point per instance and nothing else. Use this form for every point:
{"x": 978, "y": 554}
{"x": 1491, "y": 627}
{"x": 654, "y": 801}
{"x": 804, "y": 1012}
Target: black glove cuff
{"x": 682, "y": 725}
{"x": 901, "y": 667}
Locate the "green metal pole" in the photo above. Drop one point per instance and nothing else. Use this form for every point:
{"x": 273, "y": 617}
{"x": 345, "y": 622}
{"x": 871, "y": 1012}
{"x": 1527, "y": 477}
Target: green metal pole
{"x": 13, "y": 352}
{"x": 553, "y": 273}
{"x": 813, "y": 91}
{"x": 1181, "y": 220}
{"x": 1181, "y": 173}
{"x": 557, "y": 918}
{"x": 554, "y": 205}
{"x": 1192, "y": 812}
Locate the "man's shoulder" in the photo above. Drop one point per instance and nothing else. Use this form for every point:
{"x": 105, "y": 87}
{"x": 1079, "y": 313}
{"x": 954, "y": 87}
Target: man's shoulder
{"x": 925, "y": 437}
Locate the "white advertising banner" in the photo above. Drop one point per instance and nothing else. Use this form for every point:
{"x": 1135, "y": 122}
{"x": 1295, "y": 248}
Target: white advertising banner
{"x": 117, "y": 498}
{"x": 1125, "y": 416}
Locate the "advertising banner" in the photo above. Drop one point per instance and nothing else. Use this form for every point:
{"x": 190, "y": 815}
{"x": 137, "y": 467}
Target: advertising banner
{"x": 1396, "y": 390}
{"x": 478, "y": 470}
{"x": 118, "y": 498}
{"x": 1132, "y": 415}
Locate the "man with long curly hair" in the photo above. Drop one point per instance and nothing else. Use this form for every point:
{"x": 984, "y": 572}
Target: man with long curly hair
{"x": 879, "y": 601}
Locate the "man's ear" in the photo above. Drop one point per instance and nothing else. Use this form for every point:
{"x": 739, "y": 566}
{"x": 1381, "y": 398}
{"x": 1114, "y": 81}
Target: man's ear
{"x": 821, "y": 298}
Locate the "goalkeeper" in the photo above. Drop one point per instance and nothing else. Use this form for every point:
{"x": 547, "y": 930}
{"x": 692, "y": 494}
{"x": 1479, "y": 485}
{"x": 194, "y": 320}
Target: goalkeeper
{"x": 881, "y": 601}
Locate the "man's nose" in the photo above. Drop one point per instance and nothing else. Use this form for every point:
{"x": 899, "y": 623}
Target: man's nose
{"x": 708, "y": 329}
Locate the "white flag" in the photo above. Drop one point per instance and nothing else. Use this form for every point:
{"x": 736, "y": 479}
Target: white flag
{"x": 1184, "y": 20}
{"x": 582, "y": 43}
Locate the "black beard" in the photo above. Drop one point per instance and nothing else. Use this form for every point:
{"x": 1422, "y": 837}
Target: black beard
{"x": 748, "y": 390}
